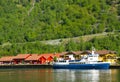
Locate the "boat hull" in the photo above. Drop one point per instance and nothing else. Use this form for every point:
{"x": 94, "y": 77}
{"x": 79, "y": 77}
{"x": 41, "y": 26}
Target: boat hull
{"x": 82, "y": 66}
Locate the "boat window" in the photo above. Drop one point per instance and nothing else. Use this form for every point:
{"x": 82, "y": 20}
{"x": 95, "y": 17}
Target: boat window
{"x": 90, "y": 58}
{"x": 62, "y": 61}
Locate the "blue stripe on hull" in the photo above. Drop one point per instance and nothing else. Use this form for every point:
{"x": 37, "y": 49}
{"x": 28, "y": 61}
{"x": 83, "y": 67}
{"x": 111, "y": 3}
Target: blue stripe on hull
{"x": 82, "y": 66}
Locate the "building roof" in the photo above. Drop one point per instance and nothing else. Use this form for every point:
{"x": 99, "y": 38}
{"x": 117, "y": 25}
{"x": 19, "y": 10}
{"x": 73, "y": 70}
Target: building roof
{"x": 7, "y": 58}
{"x": 33, "y": 57}
{"x": 104, "y": 52}
{"x": 22, "y": 56}
{"x": 67, "y": 53}
{"x": 48, "y": 55}
{"x": 63, "y": 53}
{"x": 72, "y": 52}
{"x": 100, "y": 52}
{"x": 78, "y": 52}
{"x": 86, "y": 52}
{"x": 57, "y": 55}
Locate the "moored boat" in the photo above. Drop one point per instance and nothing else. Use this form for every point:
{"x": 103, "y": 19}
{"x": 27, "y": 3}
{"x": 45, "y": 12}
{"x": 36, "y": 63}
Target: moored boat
{"x": 87, "y": 62}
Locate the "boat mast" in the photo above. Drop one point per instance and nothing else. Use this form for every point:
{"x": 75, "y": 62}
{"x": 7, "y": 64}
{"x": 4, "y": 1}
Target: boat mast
{"x": 93, "y": 50}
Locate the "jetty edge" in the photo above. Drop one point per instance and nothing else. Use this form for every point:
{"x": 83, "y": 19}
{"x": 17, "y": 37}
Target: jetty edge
{"x": 117, "y": 66}
{"x": 26, "y": 66}
{"x": 39, "y": 66}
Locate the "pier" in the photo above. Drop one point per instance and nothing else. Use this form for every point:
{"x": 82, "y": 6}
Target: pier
{"x": 114, "y": 66}
{"x": 24, "y": 66}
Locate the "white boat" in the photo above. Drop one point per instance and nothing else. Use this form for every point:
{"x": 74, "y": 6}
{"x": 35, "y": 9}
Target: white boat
{"x": 86, "y": 62}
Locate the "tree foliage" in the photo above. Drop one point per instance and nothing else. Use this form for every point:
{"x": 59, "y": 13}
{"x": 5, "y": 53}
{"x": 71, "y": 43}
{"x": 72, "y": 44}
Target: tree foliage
{"x": 24, "y": 21}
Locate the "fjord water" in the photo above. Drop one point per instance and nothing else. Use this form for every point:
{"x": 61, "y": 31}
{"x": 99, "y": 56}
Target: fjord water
{"x": 59, "y": 75}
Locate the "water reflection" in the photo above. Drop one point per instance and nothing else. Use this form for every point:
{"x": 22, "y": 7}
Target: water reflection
{"x": 83, "y": 75}
{"x": 26, "y": 75}
{"x": 59, "y": 75}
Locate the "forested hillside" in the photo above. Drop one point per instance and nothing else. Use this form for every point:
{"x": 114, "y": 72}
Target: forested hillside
{"x": 23, "y": 21}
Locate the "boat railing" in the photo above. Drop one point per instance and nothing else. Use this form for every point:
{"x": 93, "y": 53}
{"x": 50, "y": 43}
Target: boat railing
{"x": 74, "y": 60}
{"x": 61, "y": 61}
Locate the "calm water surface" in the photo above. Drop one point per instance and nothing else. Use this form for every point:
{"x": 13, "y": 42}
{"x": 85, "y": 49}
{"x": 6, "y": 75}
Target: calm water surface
{"x": 62, "y": 75}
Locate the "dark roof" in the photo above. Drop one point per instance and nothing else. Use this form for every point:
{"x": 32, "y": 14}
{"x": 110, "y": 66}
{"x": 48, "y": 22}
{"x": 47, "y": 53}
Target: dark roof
{"x": 86, "y": 52}
{"x": 104, "y": 52}
{"x": 71, "y": 52}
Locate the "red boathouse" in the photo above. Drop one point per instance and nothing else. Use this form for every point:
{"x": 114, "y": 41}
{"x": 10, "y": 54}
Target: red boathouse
{"x": 20, "y": 58}
{"x": 35, "y": 59}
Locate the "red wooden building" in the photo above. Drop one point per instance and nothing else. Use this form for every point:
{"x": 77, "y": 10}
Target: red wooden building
{"x": 20, "y": 58}
{"x": 7, "y": 60}
{"x": 49, "y": 57}
{"x": 35, "y": 59}
{"x": 29, "y": 59}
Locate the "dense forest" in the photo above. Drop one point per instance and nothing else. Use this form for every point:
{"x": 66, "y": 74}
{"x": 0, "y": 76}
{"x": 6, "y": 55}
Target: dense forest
{"x": 26, "y": 21}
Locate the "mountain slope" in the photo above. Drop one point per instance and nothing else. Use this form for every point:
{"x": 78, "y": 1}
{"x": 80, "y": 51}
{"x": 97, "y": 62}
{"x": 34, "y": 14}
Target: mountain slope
{"x": 30, "y": 21}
